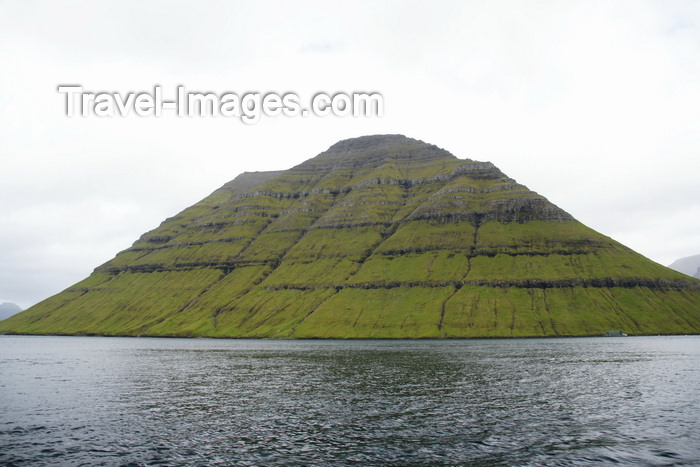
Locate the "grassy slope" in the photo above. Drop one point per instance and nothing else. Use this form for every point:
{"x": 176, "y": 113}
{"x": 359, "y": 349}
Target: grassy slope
{"x": 337, "y": 247}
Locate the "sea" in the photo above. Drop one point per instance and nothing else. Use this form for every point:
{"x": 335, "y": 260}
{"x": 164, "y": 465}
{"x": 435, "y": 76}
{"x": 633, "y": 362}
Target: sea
{"x": 73, "y": 401}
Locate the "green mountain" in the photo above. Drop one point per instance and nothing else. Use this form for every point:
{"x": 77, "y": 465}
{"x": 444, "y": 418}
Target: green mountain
{"x": 379, "y": 236}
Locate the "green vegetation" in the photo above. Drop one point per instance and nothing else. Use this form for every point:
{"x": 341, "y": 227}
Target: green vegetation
{"x": 380, "y": 237}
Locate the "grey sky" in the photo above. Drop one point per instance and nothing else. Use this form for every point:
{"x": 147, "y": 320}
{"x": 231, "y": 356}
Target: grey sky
{"x": 595, "y": 105}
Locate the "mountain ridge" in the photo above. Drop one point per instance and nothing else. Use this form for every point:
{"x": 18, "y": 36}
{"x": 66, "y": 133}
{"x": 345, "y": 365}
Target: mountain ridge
{"x": 689, "y": 265}
{"x": 378, "y": 236}
{"x": 8, "y": 309}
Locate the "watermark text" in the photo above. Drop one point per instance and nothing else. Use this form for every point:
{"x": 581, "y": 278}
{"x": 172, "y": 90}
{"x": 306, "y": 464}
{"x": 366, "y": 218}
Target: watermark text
{"x": 250, "y": 107}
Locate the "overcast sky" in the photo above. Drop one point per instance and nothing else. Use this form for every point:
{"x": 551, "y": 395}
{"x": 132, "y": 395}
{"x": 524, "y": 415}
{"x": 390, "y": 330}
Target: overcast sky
{"x": 595, "y": 105}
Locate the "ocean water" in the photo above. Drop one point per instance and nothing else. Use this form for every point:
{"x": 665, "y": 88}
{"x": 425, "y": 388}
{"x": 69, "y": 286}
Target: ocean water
{"x": 143, "y": 401}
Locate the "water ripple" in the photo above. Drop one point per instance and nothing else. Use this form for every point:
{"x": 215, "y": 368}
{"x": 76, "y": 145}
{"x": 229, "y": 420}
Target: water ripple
{"x": 85, "y": 401}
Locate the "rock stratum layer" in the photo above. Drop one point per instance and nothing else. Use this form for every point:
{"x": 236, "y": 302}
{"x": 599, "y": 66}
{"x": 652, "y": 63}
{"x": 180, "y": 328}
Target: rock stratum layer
{"x": 379, "y": 236}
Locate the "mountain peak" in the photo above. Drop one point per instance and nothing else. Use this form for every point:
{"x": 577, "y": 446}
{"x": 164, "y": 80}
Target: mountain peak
{"x": 375, "y": 150}
{"x": 388, "y": 143}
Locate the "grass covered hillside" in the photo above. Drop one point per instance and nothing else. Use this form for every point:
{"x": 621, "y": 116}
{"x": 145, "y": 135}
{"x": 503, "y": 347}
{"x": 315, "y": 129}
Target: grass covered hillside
{"x": 379, "y": 236}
